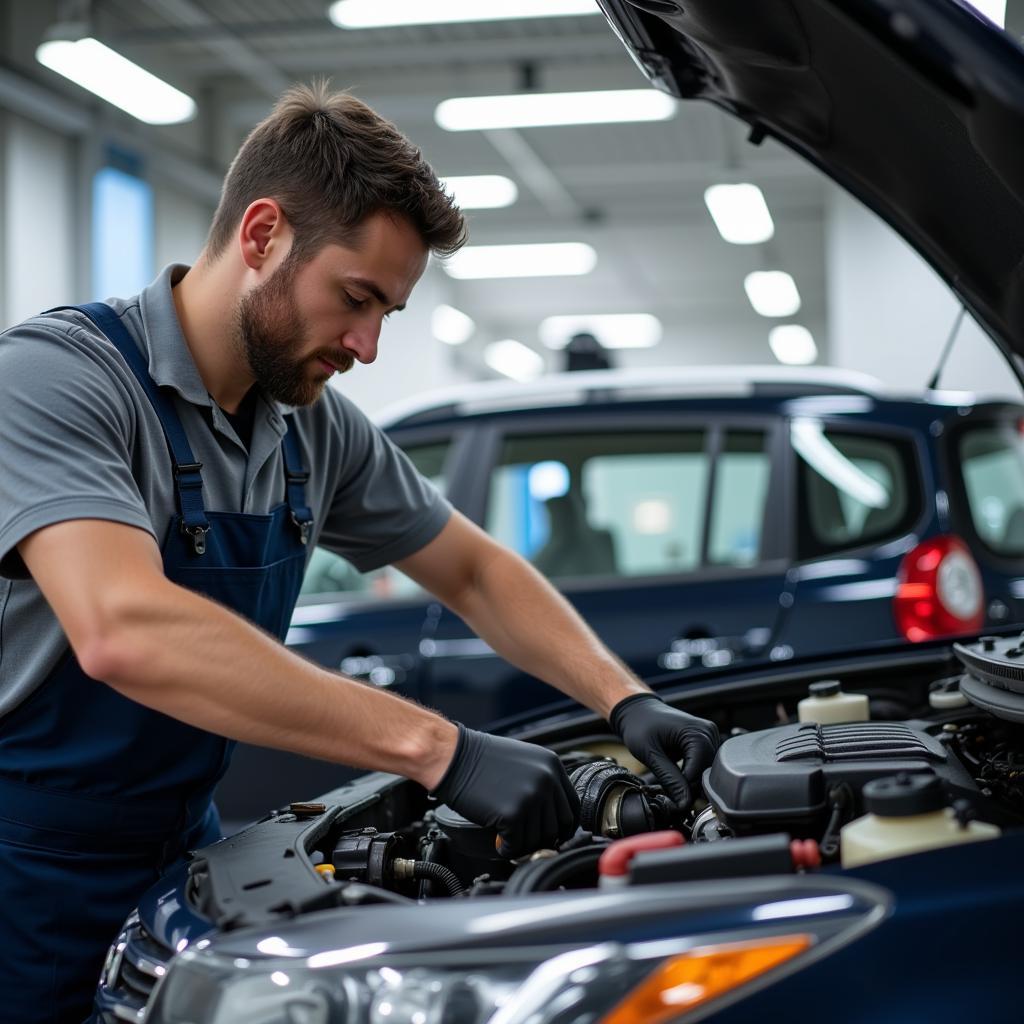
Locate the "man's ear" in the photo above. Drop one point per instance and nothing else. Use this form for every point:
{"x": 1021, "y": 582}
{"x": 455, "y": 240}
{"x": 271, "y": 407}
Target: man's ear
{"x": 264, "y": 234}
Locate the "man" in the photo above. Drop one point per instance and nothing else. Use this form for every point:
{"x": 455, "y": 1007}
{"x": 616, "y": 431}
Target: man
{"x": 167, "y": 464}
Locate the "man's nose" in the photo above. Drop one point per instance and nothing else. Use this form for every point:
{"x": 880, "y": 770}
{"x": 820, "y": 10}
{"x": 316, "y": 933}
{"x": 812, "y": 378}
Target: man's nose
{"x": 362, "y": 342}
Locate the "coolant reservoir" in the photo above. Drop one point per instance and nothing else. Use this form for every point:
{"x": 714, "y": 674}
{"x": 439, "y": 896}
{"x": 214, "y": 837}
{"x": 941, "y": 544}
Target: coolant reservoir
{"x": 906, "y": 814}
{"x": 828, "y": 705}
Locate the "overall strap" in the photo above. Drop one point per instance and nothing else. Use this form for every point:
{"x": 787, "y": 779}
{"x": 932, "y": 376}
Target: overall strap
{"x": 188, "y": 482}
{"x": 295, "y": 483}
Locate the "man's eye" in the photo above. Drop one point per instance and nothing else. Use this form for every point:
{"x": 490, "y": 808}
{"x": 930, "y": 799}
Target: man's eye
{"x": 353, "y": 302}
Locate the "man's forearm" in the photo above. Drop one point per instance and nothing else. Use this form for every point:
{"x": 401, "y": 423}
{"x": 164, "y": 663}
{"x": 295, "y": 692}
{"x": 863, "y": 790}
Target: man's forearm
{"x": 186, "y": 656}
{"x": 527, "y": 622}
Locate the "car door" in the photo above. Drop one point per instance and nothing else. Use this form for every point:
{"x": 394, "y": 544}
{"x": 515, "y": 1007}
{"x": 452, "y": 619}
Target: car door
{"x": 665, "y": 531}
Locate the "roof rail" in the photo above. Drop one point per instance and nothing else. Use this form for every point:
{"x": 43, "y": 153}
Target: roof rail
{"x": 562, "y": 389}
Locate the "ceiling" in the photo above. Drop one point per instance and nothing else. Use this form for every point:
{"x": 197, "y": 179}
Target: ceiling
{"x": 634, "y": 191}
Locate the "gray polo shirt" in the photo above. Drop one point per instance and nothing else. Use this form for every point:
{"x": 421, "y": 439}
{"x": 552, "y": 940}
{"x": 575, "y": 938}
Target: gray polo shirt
{"x": 79, "y": 440}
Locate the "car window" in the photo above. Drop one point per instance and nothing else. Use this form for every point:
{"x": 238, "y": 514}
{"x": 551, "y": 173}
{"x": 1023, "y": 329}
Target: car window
{"x": 328, "y": 573}
{"x": 853, "y": 489}
{"x": 992, "y": 463}
{"x": 602, "y": 504}
{"x": 738, "y": 506}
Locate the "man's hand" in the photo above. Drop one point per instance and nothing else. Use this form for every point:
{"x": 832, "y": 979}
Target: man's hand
{"x": 518, "y": 788}
{"x": 659, "y": 736}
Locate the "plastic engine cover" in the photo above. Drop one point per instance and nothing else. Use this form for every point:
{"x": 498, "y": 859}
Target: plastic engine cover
{"x": 780, "y": 778}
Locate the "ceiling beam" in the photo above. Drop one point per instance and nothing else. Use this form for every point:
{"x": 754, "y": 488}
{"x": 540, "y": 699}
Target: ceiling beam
{"x": 229, "y": 49}
{"x": 534, "y": 173}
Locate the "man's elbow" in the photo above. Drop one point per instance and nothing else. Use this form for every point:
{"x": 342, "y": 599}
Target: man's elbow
{"x": 112, "y": 646}
{"x": 110, "y": 656}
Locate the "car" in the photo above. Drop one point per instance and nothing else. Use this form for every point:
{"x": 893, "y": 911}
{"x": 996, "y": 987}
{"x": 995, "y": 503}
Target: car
{"x": 695, "y": 517}
{"x": 854, "y": 858}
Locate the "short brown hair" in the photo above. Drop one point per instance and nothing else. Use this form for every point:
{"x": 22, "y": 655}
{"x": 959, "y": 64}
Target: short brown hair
{"x": 331, "y": 162}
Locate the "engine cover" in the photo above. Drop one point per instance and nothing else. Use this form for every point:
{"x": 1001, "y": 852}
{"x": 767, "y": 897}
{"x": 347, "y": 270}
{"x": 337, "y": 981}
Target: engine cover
{"x": 779, "y": 779}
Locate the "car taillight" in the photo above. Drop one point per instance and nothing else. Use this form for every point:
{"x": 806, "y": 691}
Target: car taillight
{"x": 940, "y": 591}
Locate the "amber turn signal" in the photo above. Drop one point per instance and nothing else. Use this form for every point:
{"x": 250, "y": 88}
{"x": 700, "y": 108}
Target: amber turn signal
{"x": 693, "y": 978}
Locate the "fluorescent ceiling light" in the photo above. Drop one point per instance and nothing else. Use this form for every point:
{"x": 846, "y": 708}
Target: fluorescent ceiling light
{"x": 612, "y": 330}
{"x": 537, "y": 109}
{"x": 740, "y": 213}
{"x": 96, "y": 67}
{"x": 389, "y": 13}
{"x": 451, "y": 325}
{"x": 555, "y": 259}
{"x": 994, "y": 10}
{"x": 482, "y": 191}
{"x": 772, "y": 292}
{"x": 514, "y": 359}
{"x": 793, "y": 345}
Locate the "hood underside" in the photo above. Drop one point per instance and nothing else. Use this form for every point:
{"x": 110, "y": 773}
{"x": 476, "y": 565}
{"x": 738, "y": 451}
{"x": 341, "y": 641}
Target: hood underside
{"x": 916, "y": 107}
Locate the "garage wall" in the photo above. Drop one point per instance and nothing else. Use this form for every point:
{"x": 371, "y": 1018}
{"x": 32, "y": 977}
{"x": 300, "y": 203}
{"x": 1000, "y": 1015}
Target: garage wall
{"x": 38, "y": 219}
{"x": 181, "y": 226}
{"x": 890, "y": 314}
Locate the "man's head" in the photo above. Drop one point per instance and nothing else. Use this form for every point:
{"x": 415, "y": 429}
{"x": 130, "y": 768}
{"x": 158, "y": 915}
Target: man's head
{"x": 331, "y": 212}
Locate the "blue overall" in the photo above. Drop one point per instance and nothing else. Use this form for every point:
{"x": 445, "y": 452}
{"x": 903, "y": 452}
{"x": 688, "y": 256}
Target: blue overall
{"x": 99, "y": 795}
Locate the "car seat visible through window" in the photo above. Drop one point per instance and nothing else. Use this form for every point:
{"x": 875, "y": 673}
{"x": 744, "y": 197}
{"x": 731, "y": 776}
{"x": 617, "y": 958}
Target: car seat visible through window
{"x": 574, "y": 547}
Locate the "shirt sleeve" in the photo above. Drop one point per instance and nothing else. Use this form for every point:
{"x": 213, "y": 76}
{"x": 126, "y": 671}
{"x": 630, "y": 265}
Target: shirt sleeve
{"x": 382, "y": 509}
{"x": 66, "y": 426}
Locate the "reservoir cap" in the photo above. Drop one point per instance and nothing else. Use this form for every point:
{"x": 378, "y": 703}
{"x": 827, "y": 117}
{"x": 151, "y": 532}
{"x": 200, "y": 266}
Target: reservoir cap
{"x": 824, "y": 688}
{"x": 899, "y": 796}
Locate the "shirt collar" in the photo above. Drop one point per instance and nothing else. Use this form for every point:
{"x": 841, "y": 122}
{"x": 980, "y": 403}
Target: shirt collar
{"x": 170, "y": 359}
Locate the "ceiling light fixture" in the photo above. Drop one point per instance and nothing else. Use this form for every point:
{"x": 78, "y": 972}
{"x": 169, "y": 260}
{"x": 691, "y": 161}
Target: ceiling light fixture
{"x": 114, "y": 78}
{"x": 612, "y": 330}
{"x": 451, "y": 325}
{"x": 482, "y": 191}
{"x": 772, "y": 292}
{"x": 540, "y": 109}
{"x": 740, "y": 213}
{"x": 553, "y": 259}
{"x": 514, "y": 359}
{"x": 375, "y": 14}
{"x": 793, "y": 345}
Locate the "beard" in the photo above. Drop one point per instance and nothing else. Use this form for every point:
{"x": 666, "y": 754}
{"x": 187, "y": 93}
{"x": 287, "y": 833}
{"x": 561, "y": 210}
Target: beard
{"x": 271, "y": 332}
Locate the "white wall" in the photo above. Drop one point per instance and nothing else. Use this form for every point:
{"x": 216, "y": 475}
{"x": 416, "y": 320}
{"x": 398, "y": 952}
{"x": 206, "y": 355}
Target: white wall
{"x": 38, "y": 218}
{"x": 181, "y": 226}
{"x": 890, "y": 314}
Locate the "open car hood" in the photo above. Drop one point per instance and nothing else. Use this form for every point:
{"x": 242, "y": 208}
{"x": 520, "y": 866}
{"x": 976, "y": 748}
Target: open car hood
{"x": 916, "y": 107}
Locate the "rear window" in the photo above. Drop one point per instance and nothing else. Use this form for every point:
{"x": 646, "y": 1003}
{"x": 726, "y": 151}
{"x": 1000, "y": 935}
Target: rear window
{"x": 854, "y": 489}
{"x": 992, "y": 464}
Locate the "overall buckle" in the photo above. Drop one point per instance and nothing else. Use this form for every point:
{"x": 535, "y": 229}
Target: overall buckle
{"x": 187, "y": 467}
{"x": 198, "y": 535}
{"x": 305, "y": 528}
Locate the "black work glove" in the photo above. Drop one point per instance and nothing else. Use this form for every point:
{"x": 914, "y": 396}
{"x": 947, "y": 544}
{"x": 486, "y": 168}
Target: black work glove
{"x": 518, "y": 788}
{"x": 659, "y": 736}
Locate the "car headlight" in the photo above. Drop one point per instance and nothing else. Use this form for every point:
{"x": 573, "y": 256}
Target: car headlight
{"x": 652, "y": 981}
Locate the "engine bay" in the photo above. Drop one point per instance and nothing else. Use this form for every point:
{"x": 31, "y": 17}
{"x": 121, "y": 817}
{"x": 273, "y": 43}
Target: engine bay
{"x": 774, "y": 801}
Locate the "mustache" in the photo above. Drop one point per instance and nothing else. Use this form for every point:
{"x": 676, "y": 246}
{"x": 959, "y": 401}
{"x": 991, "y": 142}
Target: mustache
{"x": 342, "y": 361}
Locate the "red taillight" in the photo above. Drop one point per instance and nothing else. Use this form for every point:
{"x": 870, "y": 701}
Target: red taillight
{"x": 939, "y": 592}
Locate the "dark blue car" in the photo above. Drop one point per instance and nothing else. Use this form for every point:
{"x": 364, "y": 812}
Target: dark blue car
{"x": 858, "y": 860}
{"x": 696, "y": 518}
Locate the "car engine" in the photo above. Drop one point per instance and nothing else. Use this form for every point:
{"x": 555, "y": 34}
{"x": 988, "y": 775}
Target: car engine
{"x": 774, "y": 801}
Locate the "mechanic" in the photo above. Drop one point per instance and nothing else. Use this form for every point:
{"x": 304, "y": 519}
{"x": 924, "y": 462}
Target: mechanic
{"x": 168, "y": 462}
